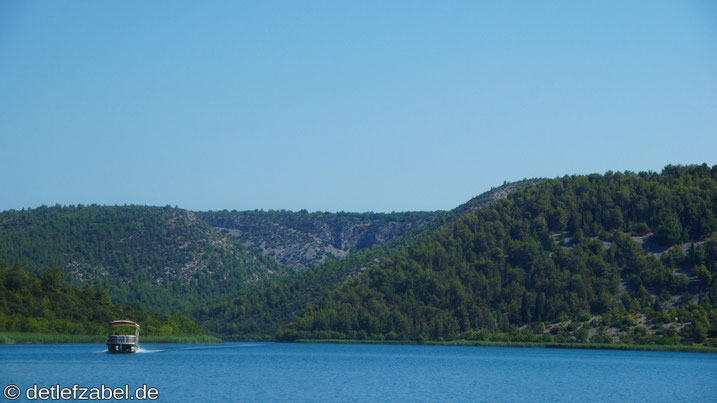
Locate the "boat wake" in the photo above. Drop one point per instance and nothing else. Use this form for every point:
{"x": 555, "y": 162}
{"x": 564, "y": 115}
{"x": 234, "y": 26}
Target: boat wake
{"x": 143, "y": 351}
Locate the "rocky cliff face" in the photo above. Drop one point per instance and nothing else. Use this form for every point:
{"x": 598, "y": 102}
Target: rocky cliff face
{"x": 301, "y": 240}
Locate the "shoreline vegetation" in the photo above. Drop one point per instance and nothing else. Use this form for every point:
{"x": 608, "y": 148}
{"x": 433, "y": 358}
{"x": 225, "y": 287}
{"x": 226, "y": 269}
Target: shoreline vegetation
{"x": 477, "y": 343}
{"x": 48, "y": 338}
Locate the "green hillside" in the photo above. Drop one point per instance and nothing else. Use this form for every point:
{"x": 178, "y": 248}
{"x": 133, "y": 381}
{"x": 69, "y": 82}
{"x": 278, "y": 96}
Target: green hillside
{"x": 620, "y": 257}
{"x": 161, "y": 258}
{"x": 263, "y": 308}
{"x": 46, "y": 304}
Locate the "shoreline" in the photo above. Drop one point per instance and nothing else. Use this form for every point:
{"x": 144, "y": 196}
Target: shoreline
{"x": 518, "y": 344}
{"x": 51, "y": 338}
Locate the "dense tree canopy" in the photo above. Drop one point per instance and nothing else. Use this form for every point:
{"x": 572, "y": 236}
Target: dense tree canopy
{"x": 160, "y": 257}
{"x": 620, "y": 256}
{"x": 47, "y": 304}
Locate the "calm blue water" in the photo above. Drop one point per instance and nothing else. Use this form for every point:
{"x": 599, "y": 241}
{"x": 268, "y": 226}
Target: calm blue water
{"x": 348, "y": 373}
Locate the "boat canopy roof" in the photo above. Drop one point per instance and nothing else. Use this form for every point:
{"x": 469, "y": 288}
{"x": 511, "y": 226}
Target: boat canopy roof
{"x": 116, "y": 323}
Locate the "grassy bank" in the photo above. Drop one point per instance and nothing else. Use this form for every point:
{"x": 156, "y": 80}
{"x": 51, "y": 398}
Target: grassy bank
{"x": 17, "y": 337}
{"x": 474, "y": 343}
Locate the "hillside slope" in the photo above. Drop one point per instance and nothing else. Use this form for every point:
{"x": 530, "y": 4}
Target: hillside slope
{"x": 162, "y": 258}
{"x": 564, "y": 260}
{"x": 47, "y": 304}
{"x": 301, "y": 239}
{"x": 263, "y": 308}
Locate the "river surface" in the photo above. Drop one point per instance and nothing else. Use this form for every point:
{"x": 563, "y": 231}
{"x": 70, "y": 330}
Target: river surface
{"x": 370, "y": 373}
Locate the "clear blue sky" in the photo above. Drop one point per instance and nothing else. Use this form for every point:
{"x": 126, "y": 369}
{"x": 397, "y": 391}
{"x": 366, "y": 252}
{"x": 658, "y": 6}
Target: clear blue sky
{"x": 337, "y": 105}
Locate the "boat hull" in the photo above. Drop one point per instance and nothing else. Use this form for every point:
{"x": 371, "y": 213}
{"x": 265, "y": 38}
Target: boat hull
{"x": 122, "y": 348}
{"x": 117, "y": 344}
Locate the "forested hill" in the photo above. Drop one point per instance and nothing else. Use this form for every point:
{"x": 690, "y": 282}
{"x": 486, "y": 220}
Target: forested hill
{"x": 302, "y": 239}
{"x": 261, "y": 309}
{"x": 162, "y": 258}
{"x": 47, "y": 304}
{"x": 620, "y": 257}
